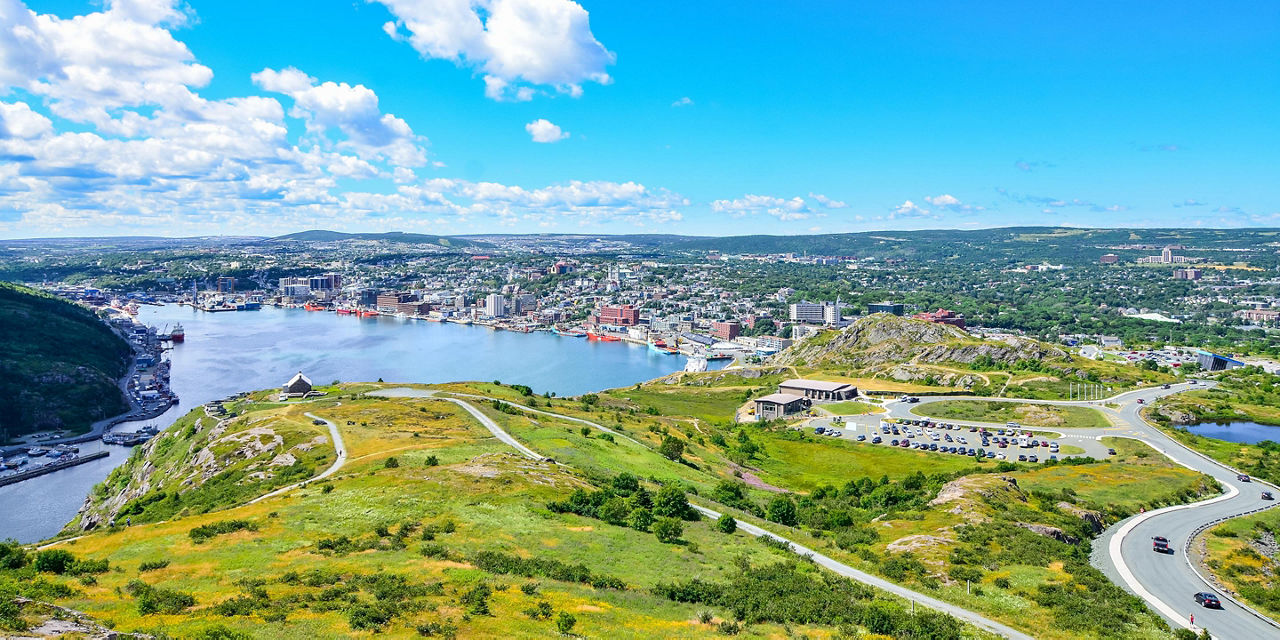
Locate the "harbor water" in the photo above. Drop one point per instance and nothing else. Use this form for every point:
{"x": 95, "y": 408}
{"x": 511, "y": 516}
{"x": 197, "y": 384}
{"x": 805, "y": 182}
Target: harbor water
{"x": 228, "y": 352}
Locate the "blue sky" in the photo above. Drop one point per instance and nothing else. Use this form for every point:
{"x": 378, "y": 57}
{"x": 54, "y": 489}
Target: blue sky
{"x": 466, "y": 116}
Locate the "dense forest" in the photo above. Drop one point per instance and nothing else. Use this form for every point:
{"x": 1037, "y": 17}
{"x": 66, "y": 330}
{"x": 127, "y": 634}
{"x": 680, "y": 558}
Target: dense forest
{"x": 59, "y": 364}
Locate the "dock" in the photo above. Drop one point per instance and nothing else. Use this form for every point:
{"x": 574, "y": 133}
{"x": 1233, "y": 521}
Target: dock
{"x": 50, "y": 468}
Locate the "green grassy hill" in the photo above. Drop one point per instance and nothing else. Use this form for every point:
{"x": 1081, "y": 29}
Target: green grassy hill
{"x": 433, "y": 527}
{"x": 59, "y": 364}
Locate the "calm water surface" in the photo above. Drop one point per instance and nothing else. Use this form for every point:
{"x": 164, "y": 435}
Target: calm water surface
{"x": 236, "y": 351}
{"x": 1242, "y": 432}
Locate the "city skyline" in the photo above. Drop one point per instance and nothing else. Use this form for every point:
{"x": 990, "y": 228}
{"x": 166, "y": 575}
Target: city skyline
{"x": 148, "y": 117}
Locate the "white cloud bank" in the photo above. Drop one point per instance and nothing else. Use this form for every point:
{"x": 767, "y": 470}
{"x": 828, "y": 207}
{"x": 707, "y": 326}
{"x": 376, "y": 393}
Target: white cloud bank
{"x": 519, "y": 45}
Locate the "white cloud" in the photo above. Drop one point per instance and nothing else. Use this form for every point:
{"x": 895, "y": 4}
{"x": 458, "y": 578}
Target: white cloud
{"x": 515, "y": 43}
{"x": 544, "y": 131}
{"x": 828, "y": 202}
{"x": 782, "y": 208}
{"x": 353, "y": 110}
{"x": 19, "y": 121}
{"x": 944, "y": 200}
{"x": 683, "y": 102}
{"x": 909, "y": 209}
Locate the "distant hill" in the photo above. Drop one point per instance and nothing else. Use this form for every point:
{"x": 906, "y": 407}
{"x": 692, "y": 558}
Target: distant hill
{"x": 908, "y": 350}
{"x": 59, "y": 364}
{"x": 320, "y": 235}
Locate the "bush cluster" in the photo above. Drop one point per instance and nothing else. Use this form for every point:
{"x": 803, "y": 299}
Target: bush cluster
{"x": 204, "y": 533}
{"x": 504, "y": 563}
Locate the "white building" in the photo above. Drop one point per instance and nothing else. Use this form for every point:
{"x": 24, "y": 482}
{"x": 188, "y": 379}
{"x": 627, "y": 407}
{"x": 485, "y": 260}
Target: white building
{"x": 495, "y": 306}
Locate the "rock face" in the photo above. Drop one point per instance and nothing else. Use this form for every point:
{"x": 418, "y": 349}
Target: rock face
{"x": 1050, "y": 532}
{"x": 881, "y": 339}
{"x": 1092, "y": 518}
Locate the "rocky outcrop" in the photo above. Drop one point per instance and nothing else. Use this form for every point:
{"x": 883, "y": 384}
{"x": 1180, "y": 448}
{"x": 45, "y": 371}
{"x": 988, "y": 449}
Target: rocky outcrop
{"x": 1049, "y": 532}
{"x": 1091, "y": 518}
{"x": 881, "y": 339}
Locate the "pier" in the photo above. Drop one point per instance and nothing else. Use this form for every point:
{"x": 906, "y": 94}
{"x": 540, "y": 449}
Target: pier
{"x": 50, "y": 468}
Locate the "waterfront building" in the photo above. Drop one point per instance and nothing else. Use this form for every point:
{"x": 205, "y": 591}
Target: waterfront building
{"x": 495, "y": 306}
{"x": 226, "y": 284}
{"x": 619, "y": 315}
{"x": 726, "y": 329}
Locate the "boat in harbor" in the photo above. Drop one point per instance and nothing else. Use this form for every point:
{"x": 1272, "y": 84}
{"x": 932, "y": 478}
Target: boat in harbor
{"x": 310, "y": 306}
{"x": 346, "y": 311}
{"x": 370, "y": 313}
{"x": 602, "y": 337}
{"x": 572, "y": 333}
{"x": 177, "y": 334}
{"x": 658, "y": 346}
{"x": 36, "y": 452}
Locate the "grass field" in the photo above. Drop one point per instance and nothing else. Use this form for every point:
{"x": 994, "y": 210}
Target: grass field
{"x": 1035, "y": 415}
{"x": 802, "y": 462}
{"x": 852, "y": 408}
{"x": 1236, "y": 552}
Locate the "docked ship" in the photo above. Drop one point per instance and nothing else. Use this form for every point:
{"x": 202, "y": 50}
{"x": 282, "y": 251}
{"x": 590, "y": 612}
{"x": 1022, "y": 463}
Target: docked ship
{"x": 602, "y": 337}
{"x": 568, "y": 334}
{"x": 371, "y": 313}
{"x": 177, "y": 334}
{"x": 658, "y": 346}
{"x": 311, "y": 306}
{"x": 346, "y": 311}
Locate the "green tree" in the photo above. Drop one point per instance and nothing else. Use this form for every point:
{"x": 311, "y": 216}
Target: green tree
{"x": 641, "y": 519}
{"x": 668, "y": 530}
{"x": 671, "y": 503}
{"x": 671, "y": 448}
{"x": 614, "y": 511}
{"x": 782, "y": 510}
{"x": 726, "y": 524}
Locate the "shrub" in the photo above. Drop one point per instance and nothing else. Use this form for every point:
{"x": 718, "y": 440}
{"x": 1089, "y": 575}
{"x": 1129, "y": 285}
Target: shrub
{"x": 668, "y": 529}
{"x": 565, "y": 622}
{"x": 433, "y": 461}
{"x": 1001, "y": 582}
{"x": 729, "y": 628}
{"x": 12, "y": 555}
{"x": 540, "y": 611}
{"x": 500, "y": 563}
{"x": 53, "y": 561}
{"x": 370, "y": 615}
{"x": 157, "y": 600}
{"x": 641, "y": 519}
{"x": 705, "y": 617}
{"x": 432, "y": 629}
{"x": 391, "y": 463}
{"x": 476, "y": 599}
{"x": 435, "y": 551}
{"x": 219, "y": 632}
{"x": 529, "y": 588}
{"x": 87, "y": 567}
{"x": 670, "y": 502}
{"x": 205, "y": 532}
{"x": 152, "y": 565}
{"x": 726, "y": 524}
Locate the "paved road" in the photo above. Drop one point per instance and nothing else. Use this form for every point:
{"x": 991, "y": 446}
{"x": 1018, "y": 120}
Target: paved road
{"x": 1166, "y": 582}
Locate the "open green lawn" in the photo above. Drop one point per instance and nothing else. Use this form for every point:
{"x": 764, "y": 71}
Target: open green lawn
{"x": 994, "y": 411}
{"x": 802, "y": 462}
{"x": 852, "y": 408}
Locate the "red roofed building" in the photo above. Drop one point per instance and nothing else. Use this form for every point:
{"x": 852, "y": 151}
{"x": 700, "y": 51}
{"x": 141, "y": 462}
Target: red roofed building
{"x": 942, "y": 316}
{"x": 619, "y": 315}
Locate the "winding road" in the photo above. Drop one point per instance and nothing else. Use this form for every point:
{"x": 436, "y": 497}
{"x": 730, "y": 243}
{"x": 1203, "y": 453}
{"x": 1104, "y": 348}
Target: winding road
{"x": 1124, "y": 551}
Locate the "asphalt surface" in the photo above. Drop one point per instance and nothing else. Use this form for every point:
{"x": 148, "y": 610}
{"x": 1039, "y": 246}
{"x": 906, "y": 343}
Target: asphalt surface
{"x": 1167, "y": 582}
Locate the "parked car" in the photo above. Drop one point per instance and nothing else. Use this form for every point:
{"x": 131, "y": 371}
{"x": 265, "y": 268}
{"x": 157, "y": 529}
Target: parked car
{"x": 861, "y": 438}
{"x": 1208, "y": 600}
{"x": 876, "y": 440}
{"x": 819, "y": 430}
{"x": 1022, "y": 458}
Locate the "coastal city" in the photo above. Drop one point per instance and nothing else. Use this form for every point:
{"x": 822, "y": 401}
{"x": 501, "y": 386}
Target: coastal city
{"x": 527, "y": 319}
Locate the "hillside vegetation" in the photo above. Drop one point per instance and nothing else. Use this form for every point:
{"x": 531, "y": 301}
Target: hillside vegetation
{"x": 59, "y": 364}
{"x": 888, "y": 347}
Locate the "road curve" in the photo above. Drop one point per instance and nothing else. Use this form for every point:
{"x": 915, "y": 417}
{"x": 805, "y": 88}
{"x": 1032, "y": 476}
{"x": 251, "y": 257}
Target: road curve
{"x": 338, "y": 445}
{"x": 1124, "y": 552}
{"x": 497, "y": 431}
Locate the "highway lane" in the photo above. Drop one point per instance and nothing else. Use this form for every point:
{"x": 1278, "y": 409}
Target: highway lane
{"x": 1124, "y": 552}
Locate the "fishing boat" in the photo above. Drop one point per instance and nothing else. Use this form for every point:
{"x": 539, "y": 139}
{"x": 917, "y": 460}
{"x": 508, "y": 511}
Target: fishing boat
{"x": 568, "y": 334}
{"x": 313, "y": 307}
{"x": 345, "y": 311}
{"x": 658, "y": 346}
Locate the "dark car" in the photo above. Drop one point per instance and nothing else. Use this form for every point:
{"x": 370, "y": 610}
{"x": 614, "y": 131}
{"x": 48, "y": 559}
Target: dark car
{"x": 1160, "y": 544}
{"x": 819, "y": 430}
{"x": 1208, "y": 600}
{"x": 318, "y": 422}
{"x": 1022, "y": 458}
{"x": 1111, "y": 452}
{"x": 1242, "y": 478}
{"x": 1266, "y": 495}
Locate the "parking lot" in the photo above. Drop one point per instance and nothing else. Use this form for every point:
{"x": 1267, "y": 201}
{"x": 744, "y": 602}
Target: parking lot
{"x": 999, "y": 443}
